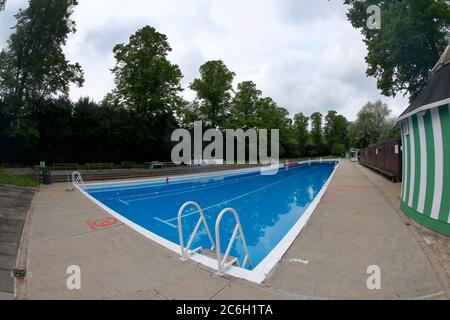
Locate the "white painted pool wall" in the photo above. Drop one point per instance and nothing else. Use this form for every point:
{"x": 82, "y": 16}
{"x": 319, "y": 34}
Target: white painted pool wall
{"x": 264, "y": 268}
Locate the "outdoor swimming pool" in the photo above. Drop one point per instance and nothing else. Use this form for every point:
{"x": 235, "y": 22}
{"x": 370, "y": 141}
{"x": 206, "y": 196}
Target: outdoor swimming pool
{"x": 272, "y": 209}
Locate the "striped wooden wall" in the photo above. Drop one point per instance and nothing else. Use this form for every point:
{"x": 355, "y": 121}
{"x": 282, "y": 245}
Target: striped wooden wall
{"x": 425, "y": 194}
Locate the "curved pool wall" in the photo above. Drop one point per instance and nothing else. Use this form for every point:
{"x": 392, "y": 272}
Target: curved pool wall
{"x": 425, "y": 195}
{"x": 272, "y": 208}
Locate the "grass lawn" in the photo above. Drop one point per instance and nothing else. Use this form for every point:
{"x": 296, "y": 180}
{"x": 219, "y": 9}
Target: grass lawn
{"x": 25, "y": 180}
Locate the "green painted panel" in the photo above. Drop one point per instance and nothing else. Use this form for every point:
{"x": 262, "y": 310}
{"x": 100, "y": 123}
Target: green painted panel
{"x": 426, "y": 221}
{"x": 417, "y": 151}
{"x": 430, "y": 163}
{"x": 445, "y": 124}
{"x": 408, "y": 170}
{"x": 403, "y": 163}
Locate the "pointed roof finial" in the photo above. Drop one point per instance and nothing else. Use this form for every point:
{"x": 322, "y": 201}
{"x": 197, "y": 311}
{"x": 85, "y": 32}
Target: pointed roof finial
{"x": 443, "y": 60}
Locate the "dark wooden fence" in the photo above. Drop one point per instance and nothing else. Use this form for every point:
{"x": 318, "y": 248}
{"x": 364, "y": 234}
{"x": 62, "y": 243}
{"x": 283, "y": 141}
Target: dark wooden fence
{"x": 385, "y": 158}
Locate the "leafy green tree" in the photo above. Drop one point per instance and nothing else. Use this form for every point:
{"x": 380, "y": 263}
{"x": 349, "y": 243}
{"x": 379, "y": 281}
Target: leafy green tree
{"x": 338, "y": 149}
{"x": 335, "y": 131}
{"x": 270, "y": 116}
{"x": 187, "y": 113}
{"x": 390, "y": 131}
{"x": 372, "y": 125}
{"x": 301, "y": 132}
{"x": 214, "y": 90}
{"x": 317, "y": 132}
{"x": 148, "y": 86}
{"x": 33, "y": 67}
{"x": 410, "y": 41}
{"x": 146, "y": 81}
{"x": 110, "y": 100}
{"x": 243, "y": 107}
{"x": 55, "y": 125}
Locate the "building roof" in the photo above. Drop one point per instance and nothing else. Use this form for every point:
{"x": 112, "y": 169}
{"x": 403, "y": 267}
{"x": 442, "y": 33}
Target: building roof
{"x": 437, "y": 89}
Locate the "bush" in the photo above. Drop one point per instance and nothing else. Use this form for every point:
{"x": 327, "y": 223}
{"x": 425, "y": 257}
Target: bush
{"x": 337, "y": 149}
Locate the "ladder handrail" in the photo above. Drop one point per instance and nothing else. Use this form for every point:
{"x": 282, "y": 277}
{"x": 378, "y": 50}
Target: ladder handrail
{"x": 221, "y": 262}
{"x": 77, "y": 179}
{"x": 185, "y": 251}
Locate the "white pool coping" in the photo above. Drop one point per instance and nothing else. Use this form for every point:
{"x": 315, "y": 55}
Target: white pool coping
{"x": 263, "y": 269}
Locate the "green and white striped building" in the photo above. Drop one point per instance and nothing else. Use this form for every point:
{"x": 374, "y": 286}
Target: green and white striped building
{"x": 425, "y": 131}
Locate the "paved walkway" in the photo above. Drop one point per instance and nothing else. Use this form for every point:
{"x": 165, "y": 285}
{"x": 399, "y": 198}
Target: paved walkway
{"x": 354, "y": 226}
{"x": 14, "y": 205}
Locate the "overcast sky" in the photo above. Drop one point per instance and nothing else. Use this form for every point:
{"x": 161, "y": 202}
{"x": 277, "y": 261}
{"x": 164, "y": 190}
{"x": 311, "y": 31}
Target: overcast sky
{"x": 302, "y": 53}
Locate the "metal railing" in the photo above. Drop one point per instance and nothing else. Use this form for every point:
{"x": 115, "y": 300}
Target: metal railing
{"x": 77, "y": 179}
{"x": 222, "y": 263}
{"x": 185, "y": 251}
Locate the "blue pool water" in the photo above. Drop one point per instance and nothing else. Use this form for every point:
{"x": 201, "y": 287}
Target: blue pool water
{"x": 268, "y": 205}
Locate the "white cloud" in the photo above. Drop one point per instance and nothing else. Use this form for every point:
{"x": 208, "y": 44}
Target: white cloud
{"x": 304, "y": 54}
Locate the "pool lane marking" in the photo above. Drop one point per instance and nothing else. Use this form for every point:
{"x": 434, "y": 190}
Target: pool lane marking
{"x": 209, "y": 187}
{"x": 228, "y": 200}
{"x": 98, "y": 188}
{"x": 124, "y": 202}
{"x": 187, "y": 191}
{"x": 163, "y": 193}
{"x": 196, "y": 211}
{"x": 168, "y": 223}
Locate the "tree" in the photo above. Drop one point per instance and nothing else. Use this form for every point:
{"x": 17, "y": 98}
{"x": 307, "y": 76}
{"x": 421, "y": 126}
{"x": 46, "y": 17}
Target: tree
{"x": 335, "y": 131}
{"x": 54, "y": 124}
{"x": 146, "y": 81}
{"x": 187, "y": 113}
{"x": 337, "y": 149}
{"x": 147, "y": 85}
{"x": 301, "y": 132}
{"x": 33, "y": 67}
{"x": 270, "y": 116}
{"x": 2, "y": 4}
{"x": 390, "y": 131}
{"x": 243, "y": 107}
{"x": 410, "y": 41}
{"x": 317, "y": 132}
{"x": 214, "y": 92}
{"x": 372, "y": 125}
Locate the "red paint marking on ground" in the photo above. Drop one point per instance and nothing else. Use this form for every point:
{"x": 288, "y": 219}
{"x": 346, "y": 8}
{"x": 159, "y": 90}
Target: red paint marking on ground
{"x": 330, "y": 197}
{"x": 101, "y": 223}
{"x": 354, "y": 187}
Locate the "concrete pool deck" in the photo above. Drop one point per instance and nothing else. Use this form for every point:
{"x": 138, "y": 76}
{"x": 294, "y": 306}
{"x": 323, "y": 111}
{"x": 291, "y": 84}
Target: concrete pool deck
{"x": 356, "y": 225}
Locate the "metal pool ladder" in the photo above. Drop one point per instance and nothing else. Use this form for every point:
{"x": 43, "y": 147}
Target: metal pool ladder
{"x": 77, "y": 179}
{"x": 185, "y": 251}
{"x": 222, "y": 263}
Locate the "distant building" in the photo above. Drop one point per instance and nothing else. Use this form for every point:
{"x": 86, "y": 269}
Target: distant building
{"x": 352, "y": 154}
{"x": 425, "y": 130}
